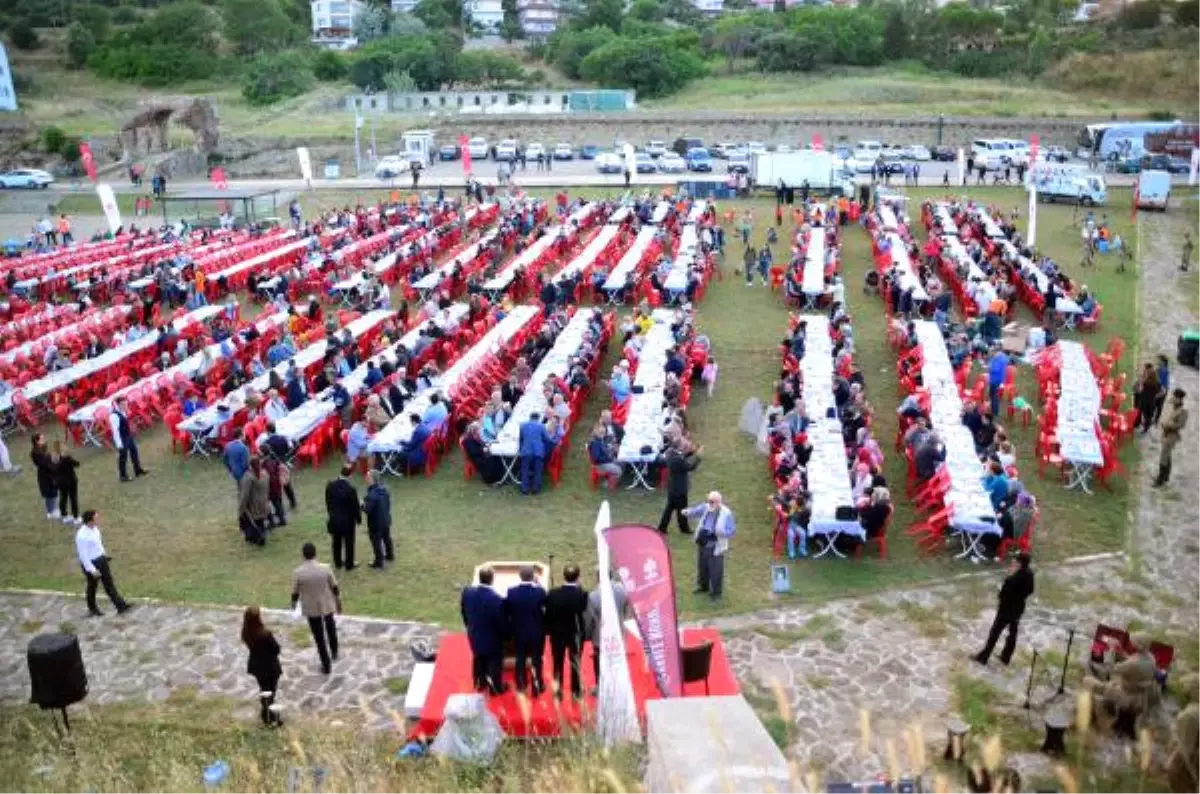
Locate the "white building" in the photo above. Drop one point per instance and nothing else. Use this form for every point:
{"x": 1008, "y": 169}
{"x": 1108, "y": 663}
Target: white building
{"x": 488, "y": 14}
{"x": 538, "y": 18}
{"x": 711, "y": 7}
{"x": 333, "y": 23}
{"x": 404, "y": 6}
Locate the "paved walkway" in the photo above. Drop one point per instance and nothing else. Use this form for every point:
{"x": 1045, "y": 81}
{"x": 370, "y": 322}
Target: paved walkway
{"x": 900, "y": 656}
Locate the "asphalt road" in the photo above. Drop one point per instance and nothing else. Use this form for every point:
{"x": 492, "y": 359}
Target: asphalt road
{"x": 573, "y": 173}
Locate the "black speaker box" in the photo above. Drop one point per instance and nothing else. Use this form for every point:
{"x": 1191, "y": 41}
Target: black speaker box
{"x": 56, "y": 671}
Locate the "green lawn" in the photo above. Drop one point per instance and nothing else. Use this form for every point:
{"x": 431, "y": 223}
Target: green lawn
{"x": 174, "y": 535}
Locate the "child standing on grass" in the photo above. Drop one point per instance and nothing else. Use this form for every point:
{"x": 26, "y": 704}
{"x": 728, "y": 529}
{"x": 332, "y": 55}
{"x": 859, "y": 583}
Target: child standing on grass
{"x": 708, "y": 376}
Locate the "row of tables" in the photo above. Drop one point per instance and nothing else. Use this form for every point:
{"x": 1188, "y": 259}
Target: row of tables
{"x": 86, "y": 324}
{"x": 1078, "y": 412}
{"x": 647, "y": 418}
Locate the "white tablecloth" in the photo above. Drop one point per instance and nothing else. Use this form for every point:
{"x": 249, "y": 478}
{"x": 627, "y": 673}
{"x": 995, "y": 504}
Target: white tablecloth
{"x": 188, "y": 367}
{"x": 36, "y": 389}
{"x": 887, "y": 217}
{"x": 588, "y": 255}
{"x": 660, "y": 212}
{"x": 360, "y": 277}
{"x": 109, "y": 262}
{"x": 435, "y": 277}
{"x": 206, "y": 420}
{"x": 619, "y": 277}
{"x": 620, "y": 215}
{"x": 395, "y": 435}
{"x": 972, "y": 507}
{"x": 945, "y": 219}
{"x": 1078, "y": 407}
{"x": 1031, "y": 272}
{"x": 828, "y": 471}
{"x": 255, "y": 262}
{"x": 646, "y": 421}
{"x": 533, "y": 400}
{"x": 813, "y": 280}
{"x": 81, "y": 326}
{"x": 958, "y": 252}
{"x": 681, "y": 265}
{"x": 536, "y": 249}
{"x": 991, "y": 229}
{"x": 908, "y": 277}
{"x": 699, "y": 207}
{"x": 31, "y": 318}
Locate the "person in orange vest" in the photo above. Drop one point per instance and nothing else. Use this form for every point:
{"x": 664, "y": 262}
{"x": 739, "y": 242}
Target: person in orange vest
{"x": 64, "y": 229}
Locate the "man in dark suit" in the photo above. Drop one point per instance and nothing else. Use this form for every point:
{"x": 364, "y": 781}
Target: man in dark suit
{"x": 565, "y": 606}
{"x": 414, "y": 451}
{"x": 534, "y": 441}
{"x": 1017, "y": 588}
{"x": 123, "y": 440}
{"x": 525, "y": 606}
{"x": 345, "y": 514}
{"x": 483, "y": 615}
{"x": 680, "y": 464}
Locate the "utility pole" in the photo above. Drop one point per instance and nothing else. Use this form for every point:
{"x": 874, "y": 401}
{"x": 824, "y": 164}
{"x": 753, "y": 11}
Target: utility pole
{"x": 357, "y": 144}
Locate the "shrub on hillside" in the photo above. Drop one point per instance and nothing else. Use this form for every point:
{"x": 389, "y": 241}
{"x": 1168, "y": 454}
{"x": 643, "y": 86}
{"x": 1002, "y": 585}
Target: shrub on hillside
{"x": 125, "y": 15}
{"x": 53, "y": 139}
{"x": 177, "y": 42}
{"x": 1187, "y": 13}
{"x": 270, "y": 78}
{"x": 651, "y": 66}
{"x": 328, "y": 66}
{"x": 23, "y": 36}
{"x": 80, "y": 45}
{"x": 97, "y": 20}
{"x": 1141, "y": 16}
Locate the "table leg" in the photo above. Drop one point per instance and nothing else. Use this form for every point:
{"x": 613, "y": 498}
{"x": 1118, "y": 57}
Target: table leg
{"x": 829, "y": 541}
{"x": 385, "y": 460}
{"x": 199, "y": 446}
{"x": 640, "y": 472}
{"x": 510, "y": 471}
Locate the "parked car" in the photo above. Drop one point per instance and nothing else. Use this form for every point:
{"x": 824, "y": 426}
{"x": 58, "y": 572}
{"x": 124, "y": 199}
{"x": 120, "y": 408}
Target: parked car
{"x": 506, "y": 151}
{"x": 1056, "y": 154}
{"x": 1152, "y": 162}
{"x": 535, "y": 150}
{"x": 478, "y": 147}
{"x": 738, "y": 163}
{"x": 916, "y": 151}
{"x": 671, "y": 163}
{"x": 890, "y": 161}
{"x": 755, "y": 146}
{"x": 26, "y": 178}
{"x": 783, "y": 148}
{"x": 448, "y": 152}
{"x": 391, "y": 167}
{"x": 609, "y": 163}
{"x": 722, "y": 150}
{"x": 685, "y": 144}
{"x": 656, "y": 148}
{"x": 944, "y": 154}
{"x": 644, "y": 163}
{"x": 588, "y": 151}
{"x": 698, "y": 159}
{"x": 563, "y": 151}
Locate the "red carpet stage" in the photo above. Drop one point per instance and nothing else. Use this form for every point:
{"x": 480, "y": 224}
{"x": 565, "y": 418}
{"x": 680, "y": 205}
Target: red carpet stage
{"x": 546, "y": 716}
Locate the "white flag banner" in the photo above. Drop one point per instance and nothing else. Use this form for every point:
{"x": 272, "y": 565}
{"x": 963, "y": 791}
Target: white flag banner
{"x": 108, "y": 202}
{"x": 1194, "y": 169}
{"x": 962, "y": 166}
{"x": 631, "y": 163}
{"x": 305, "y": 163}
{"x": 1031, "y": 238}
{"x": 616, "y": 717}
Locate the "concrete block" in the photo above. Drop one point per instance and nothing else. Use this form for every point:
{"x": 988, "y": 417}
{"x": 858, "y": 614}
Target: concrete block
{"x": 712, "y": 745}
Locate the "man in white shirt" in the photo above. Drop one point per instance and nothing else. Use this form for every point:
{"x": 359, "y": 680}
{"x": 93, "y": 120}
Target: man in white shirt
{"x": 123, "y": 440}
{"x": 89, "y": 547}
{"x": 275, "y": 408}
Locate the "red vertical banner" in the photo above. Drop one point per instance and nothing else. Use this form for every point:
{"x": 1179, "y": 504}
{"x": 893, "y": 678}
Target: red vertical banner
{"x": 818, "y": 143}
{"x": 1035, "y": 145}
{"x": 89, "y": 162}
{"x": 642, "y": 560}
{"x": 464, "y": 146}
{"x": 218, "y": 178}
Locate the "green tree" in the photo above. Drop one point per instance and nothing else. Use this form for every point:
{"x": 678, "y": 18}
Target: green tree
{"x": 647, "y": 11}
{"x": 399, "y": 83}
{"x": 600, "y": 13}
{"x": 736, "y": 35}
{"x": 779, "y": 6}
{"x": 69, "y": 151}
{"x": 53, "y": 139}
{"x": 651, "y": 66}
{"x": 1038, "y": 53}
{"x": 271, "y": 78}
{"x": 429, "y": 59}
{"x": 787, "y": 51}
{"x": 483, "y": 68}
{"x": 510, "y": 27}
{"x": 329, "y": 66}
{"x": 97, "y": 20}
{"x": 572, "y": 46}
{"x": 257, "y": 26}
{"x": 80, "y": 45}
{"x": 895, "y": 35}
{"x": 854, "y": 37}
{"x": 1142, "y": 15}
{"x": 175, "y": 43}
{"x": 125, "y": 15}
{"x": 1187, "y": 13}
{"x": 373, "y": 22}
{"x": 443, "y": 14}
{"x": 23, "y": 36}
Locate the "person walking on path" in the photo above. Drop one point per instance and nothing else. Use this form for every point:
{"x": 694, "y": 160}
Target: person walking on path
{"x": 716, "y": 527}
{"x": 263, "y": 663}
{"x": 68, "y": 484}
{"x": 1174, "y": 419}
{"x": 122, "y": 436}
{"x": 47, "y": 475}
{"x": 315, "y": 589}
{"x": 89, "y": 548}
{"x": 680, "y": 464}
{"x": 254, "y": 506}
{"x": 345, "y": 514}
{"x": 1185, "y": 254}
{"x": 1015, "y": 591}
{"x": 377, "y": 504}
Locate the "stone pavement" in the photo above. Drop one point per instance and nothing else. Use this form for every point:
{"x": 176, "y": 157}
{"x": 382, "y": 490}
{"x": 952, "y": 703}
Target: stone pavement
{"x": 899, "y": 656}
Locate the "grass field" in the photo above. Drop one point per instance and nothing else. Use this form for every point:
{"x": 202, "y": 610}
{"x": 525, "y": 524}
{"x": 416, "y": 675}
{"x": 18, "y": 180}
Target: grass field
{"x": 174, "y": 535}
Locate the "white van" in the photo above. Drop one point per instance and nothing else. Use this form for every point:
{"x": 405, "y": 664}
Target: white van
{"x": 991, "y": 153}
{"x": 1154, "y": 190}
{"x": 1018, "y": 151}
{"x": 1070, "y": 183}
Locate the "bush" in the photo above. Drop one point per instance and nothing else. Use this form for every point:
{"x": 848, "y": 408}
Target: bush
{"x": 125, "y": 15}
{"x": 70, "y": 150}
{"x": 571, "y": 47}
{"x": 1187, "y": 13}
{"x": 153, "y": 64}
{"x": 53, "y": 139}
{"x": 271, "y": 78}
{"x": 979, "y": 63}
{"x": 329, "y": 66}
{"x": 651, "y": 66}
{"x": 1141, "y": 15}
{"x": 427, "y": 59}
{"x": 96, "y": 20}
{"x": 80, "y": 44}
{"x": 23, "y": 36}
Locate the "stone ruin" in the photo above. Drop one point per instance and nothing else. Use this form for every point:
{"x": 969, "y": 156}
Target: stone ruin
{"x": 149, "y": 125}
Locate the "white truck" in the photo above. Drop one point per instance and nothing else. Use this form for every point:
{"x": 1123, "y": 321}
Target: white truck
{"x": 822, "y": 170}
{"x": 1065, "y": 182}
{"x": 1153, "y": 190}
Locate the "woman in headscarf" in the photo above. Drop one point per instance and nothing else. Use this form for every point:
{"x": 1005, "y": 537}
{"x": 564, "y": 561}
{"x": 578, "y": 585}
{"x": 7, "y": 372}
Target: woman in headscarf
{"x": 490, "y": 469}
